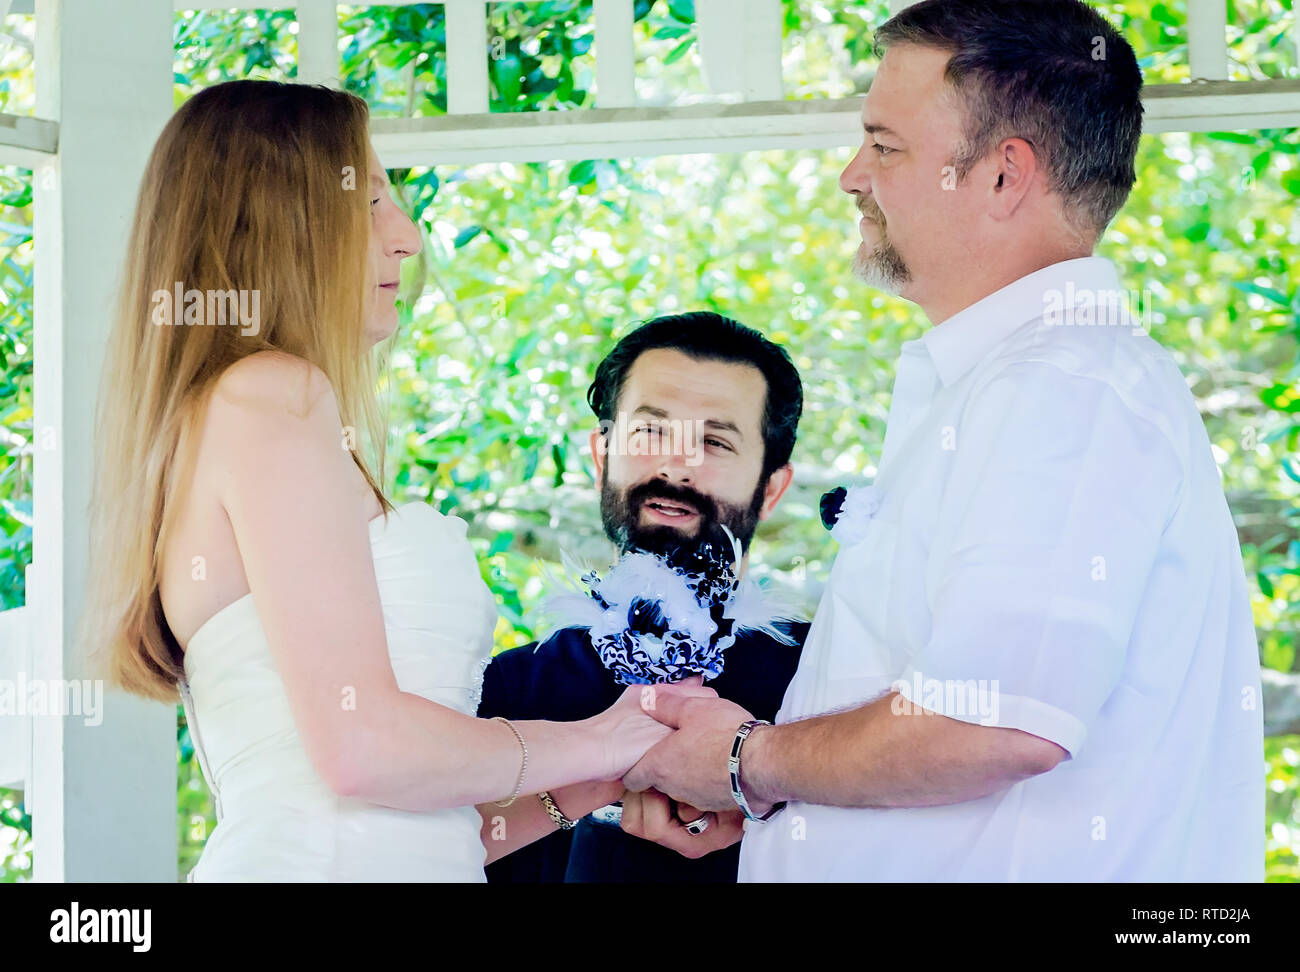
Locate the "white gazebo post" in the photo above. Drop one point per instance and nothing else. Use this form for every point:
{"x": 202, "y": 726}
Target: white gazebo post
{"x": 1207, "y": 40}
{"x": 318, "y": 42}
{"x": 740, "y": 46}
{"x": 102, "y": 797}
{"x": 615, "y": 54}
{"x": 467, "y": 73}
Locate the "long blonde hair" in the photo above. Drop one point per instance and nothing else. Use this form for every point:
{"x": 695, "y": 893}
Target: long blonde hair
{"x": 246, "y": 190}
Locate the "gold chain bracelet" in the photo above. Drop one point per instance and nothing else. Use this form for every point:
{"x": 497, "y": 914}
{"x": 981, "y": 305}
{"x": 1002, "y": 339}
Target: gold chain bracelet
{"x": 519, "y": 783}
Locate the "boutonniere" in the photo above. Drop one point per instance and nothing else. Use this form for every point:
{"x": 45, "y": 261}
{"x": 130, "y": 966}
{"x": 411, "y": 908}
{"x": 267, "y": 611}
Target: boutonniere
{"x": 847, "y": 512}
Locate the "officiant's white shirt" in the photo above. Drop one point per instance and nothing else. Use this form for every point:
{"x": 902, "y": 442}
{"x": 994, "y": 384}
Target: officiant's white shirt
{"x": 1053, "y": 553}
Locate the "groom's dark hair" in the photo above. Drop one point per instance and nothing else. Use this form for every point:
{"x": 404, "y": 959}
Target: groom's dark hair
{"x": 1053, "y": 72}
{"x": 712, "y": 337}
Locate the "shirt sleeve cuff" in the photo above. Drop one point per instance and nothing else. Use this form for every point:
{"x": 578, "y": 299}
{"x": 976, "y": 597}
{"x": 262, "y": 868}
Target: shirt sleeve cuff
{"x": 987, "y": 705}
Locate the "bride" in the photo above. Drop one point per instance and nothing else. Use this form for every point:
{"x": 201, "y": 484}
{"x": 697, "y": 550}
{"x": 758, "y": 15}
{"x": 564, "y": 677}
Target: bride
{"x": 328, "y": 646}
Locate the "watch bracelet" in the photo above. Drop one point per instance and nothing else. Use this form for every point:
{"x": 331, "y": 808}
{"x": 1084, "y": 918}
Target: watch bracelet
{"x": 733, "y": 772}
{"x": 556, "y": 814}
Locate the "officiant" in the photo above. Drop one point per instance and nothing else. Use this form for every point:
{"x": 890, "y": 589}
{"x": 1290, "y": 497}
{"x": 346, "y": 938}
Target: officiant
{"x": 697, "y": 420}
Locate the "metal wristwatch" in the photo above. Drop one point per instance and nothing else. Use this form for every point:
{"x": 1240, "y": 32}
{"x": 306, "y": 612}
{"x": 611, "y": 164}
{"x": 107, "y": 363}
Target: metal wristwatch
{"x": 733, "y": 770}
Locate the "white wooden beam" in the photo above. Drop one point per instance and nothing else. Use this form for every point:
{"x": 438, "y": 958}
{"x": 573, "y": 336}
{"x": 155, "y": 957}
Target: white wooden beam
{"x": 318, "y": 42}
{"x": 896, "y": 5}
{"x": 615, "y": 132}
{"x": 102, "y": 797}
{"x": 615, "y": 54}
{"x": 1214, "y": 106}
{"x": 26, "y": 141}
{"x": 467, "y": 73}
{"x": 1207, "y": 39}
{"x": 25, "y": 6}
{"x": 626, "y": 132}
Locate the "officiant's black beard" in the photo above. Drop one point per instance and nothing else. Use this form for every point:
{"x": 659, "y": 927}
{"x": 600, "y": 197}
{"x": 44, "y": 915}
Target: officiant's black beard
{"x": 620, "y": 511}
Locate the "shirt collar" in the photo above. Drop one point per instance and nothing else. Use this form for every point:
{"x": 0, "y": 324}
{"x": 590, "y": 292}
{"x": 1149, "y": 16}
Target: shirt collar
{"x": 960, "y": 342}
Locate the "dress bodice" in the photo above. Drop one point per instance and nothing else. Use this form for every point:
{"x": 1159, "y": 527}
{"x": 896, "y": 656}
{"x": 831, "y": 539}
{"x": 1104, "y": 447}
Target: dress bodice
{"x": 276, "y": 818}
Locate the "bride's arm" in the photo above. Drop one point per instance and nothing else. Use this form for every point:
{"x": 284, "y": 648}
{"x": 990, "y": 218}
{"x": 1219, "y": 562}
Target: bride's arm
{"x": 290, "y": 490}
{"x": 506, "y": 830}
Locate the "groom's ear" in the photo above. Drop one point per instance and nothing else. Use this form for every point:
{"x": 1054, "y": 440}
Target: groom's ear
{"x": 1017, "y": 169}
{"x": 777, "y": 484}
{"x": 598, "y": 447}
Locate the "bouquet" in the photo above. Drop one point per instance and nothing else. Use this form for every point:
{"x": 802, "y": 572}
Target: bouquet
{"x": 657, "y": 618}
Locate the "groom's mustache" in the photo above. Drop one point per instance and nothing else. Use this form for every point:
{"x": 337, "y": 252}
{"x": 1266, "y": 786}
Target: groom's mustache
{"x": 870, "y": 211}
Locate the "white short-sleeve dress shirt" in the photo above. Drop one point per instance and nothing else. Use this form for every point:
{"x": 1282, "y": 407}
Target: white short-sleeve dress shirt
{"x": 1051, "y": 551}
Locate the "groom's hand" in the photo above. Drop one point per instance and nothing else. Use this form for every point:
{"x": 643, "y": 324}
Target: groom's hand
{"x": 691, "y": 764}
{"x": 627, "y": 729}
{"x": 648, "y": 815}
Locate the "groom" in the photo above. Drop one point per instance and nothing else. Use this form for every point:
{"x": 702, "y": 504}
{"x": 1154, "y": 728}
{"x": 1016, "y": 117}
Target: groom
{"x": 1037, "y": 661}
{"x": 698, "y": 416}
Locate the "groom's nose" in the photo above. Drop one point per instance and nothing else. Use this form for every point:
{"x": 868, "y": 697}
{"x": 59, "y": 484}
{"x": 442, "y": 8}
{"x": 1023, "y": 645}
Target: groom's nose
{"x": 855, "y": 179}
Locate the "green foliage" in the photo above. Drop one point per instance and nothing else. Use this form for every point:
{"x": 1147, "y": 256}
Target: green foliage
{"x": 530, "y": 271}
{"x": 15, "y": 839}
{"x": 15, "y": 385}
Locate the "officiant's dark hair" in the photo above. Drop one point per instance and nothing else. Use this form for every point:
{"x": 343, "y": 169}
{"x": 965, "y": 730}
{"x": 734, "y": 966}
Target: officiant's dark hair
{"x": 711, "y": 337}
{"x": 1053, "y": 72}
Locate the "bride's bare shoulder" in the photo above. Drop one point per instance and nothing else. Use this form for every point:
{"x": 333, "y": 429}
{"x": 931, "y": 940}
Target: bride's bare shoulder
{"x": 273, "y": 382}
{"x": 272, "y": 410}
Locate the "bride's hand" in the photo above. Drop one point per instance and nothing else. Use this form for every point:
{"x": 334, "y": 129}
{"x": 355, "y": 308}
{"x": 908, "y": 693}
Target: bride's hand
{"x": 579, "y": 799}
{"x": 627, "y": 731}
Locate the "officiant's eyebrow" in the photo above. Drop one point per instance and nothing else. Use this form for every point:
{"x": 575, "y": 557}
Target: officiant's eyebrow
{"x": 721, "y": 425}
{"x": 873, "y": 129}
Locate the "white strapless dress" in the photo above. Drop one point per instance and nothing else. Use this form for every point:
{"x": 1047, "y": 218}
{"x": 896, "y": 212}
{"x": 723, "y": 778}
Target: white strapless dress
{"x": 276, "y": 818}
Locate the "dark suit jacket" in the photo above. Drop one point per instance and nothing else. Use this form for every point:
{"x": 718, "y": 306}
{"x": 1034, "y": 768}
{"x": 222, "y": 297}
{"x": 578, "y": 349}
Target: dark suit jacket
{"x": 563, "y": 680}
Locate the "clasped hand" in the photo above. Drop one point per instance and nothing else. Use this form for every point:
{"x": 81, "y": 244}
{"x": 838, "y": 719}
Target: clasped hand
{"x": 689, "y": 764}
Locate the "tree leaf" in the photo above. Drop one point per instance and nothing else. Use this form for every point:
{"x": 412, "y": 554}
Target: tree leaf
{"x": 678, "y": 52}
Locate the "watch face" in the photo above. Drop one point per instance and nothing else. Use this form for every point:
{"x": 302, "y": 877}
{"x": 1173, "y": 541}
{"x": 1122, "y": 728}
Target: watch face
{"x": 612, "y": 814}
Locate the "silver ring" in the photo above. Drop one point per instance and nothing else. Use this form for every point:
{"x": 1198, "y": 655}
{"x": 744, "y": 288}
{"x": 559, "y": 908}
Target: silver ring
{"x": 697, "y": 827}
